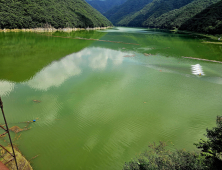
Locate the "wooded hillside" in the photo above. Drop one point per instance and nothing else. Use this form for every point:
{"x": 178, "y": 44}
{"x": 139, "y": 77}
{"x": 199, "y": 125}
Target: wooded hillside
{"x": 57, "y": 13}
{"x": 208, "y": 21}
{"x": 177, "y": 17}
{"x": 193, "y": 15}
{"x": 151, "y": 11}
{"x": 105, "y": 5}
{"x": 116, "y": 14}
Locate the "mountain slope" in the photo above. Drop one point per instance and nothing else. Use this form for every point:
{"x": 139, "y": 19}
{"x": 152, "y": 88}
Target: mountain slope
{"x": 118, "y": 13}
{"x": 207, "y": 21}
{"x": 105, "y": 5}
{"x": 57, "y": 13}
{"x": 151, "y": 11}
{"x": 177, "y": 17}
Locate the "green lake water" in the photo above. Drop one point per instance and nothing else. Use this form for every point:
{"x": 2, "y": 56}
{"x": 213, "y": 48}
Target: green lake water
{"x": 102, "y": 102}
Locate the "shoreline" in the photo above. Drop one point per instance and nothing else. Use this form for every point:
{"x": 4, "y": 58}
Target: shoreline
{"x": 176, "y": 30}
{"x": 8, "y": 160}
{"x": 211, "y": 36}
{"x": 51, "y": 29}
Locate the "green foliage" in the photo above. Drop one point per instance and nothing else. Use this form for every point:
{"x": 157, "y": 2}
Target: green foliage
{"x": 150, "y": 11}
{"x": 104, "y": 6}
{"x": 159, "y": 158}
{"x": 208, "y": 21}
{"x": 193, "y": 15}
{"x": 116, "y": 14}
{"x": 57, "y": 13}
{"x": 175, "y": 18}
{"x": 212, "y": 147}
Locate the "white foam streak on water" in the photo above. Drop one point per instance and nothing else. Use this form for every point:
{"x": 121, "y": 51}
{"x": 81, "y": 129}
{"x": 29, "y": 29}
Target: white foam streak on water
{"x": 197, "y": 70}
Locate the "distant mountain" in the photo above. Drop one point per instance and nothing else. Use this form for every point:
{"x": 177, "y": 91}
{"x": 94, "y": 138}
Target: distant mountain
{"x": 195, "y": 15}
{"x": 104, "y": 5}
{"x": 175, "y": 18}
{"x": 118, "y": 13}
{"x": 152, "y": 11}
{"x": 208, "y": 21}
{"x": 57, "y": 13}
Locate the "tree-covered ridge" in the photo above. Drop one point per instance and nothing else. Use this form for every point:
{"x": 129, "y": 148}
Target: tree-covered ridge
{"x": 105, "y": 5}
{"x": 116, "y": 14}
{"x": 207, "y": 21}
{"x": 177, "y": 17}
{"x": 152, "y": 11}
{"x": 57, "y": 13}
{"x": 193, "y": 15}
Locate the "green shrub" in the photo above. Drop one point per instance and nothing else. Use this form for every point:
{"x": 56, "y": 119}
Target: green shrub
{"x": 158, "y": 157}
{"x": 212, "y": 147}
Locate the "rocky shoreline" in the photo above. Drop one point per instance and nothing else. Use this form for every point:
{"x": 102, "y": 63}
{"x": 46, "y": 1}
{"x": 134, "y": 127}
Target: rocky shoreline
{"x": 8, "y": 160}
{"x": 51, "y": 29}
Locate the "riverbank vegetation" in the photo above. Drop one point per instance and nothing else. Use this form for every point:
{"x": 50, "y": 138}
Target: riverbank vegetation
{"x": 57, "y": 13}
{"x": 52, "y": 29}
{"x": 158, "y": 157}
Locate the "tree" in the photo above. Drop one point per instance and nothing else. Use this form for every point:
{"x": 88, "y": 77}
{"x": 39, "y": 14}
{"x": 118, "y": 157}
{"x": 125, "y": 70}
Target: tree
{"x": 212, "y": 147}
{"x": 158, "y": 157}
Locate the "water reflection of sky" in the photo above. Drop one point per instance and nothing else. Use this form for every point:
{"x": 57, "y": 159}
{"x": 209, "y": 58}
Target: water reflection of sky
{"x": 72, "y": 65}
{"x": 95, "y": 58}
{"x": 58, "y": 72}
{"x": 131, "y": 30}
{"x": 6, "y": 87}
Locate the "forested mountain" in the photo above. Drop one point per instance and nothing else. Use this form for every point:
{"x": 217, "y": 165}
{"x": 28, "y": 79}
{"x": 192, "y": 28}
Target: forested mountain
{"x": 152, "y": 11}
{"x": 104, "y": 5}
{"x": 195, "y": 15}
{"x": 57, "y": 13}
{"x": 118, "y": 13}
{"x": 175, "y": 18}
{"x": 207, "y": 21}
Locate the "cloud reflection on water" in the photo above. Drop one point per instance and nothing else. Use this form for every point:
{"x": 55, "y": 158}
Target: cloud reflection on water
{"x": 99, "y": 58}
{"x": 72, "y": 65}
{"x": 6, "y": 87}
{"x": 56, "y": 73}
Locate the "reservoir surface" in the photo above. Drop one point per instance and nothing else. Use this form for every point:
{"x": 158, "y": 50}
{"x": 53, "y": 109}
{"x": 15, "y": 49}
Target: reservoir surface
{"x": 100, "y": 98}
